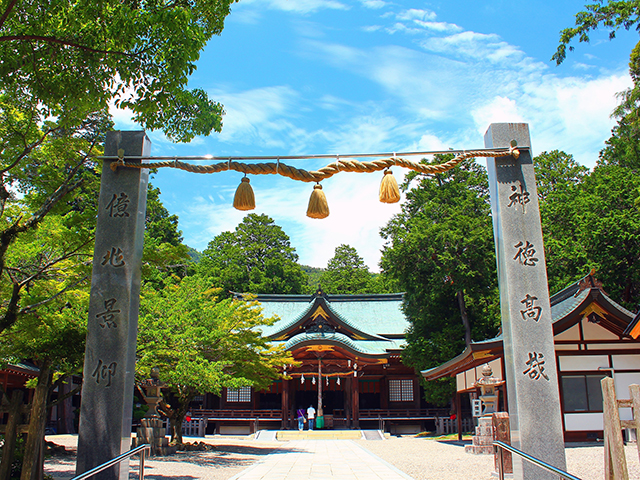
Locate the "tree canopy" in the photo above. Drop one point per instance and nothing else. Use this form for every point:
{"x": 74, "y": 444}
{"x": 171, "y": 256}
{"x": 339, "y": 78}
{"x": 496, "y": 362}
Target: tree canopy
{"x": 613, "y": 15}
{"x": 346, "y": 273}
{"x": 440, "y": 251}
{"x": 202, "y": 344}
{"x": 71, "y": 58}
{"x": 257, "y": 257}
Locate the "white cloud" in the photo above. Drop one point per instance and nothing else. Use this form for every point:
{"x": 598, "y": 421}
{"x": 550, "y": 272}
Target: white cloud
{"x": 415, "y": 14}
{"x": 475, "y": 46}
{"x": 570, "y": 114}
{"x": 298, "y": 6}
{"x": 373, "y": 4}
{"x": 499, "y": 109}
{"x": 260, "y": 116}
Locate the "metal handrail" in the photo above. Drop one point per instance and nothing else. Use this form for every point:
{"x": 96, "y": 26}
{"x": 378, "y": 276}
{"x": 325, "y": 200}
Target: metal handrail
{"x": 118, "y": 459}
{"x": 499, "y": 446}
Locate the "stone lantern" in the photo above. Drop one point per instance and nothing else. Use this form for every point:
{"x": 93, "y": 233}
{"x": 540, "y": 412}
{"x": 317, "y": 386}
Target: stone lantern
{"x": 488, "y": 385}
{"x": 151, "y": 430}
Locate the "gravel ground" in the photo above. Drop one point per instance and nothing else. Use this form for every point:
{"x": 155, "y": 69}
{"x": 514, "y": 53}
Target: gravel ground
{"x": 427, "y": 459}
{"x": 231, "y": 456}
{"x": 421, "y": 458}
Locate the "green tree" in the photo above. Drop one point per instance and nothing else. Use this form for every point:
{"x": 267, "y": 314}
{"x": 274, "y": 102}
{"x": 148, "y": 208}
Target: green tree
{"x": 164, "y": 253}
{"x": 257, "y": 258}
{"x": 559, "y": 181}
{"x": 613, "y": 15}
{"x": 62, "y": 64}
{"x": 71, "y": 58}
{"x": 590, "y": 221}
{"x": 440, "y": 251}
{"x": 346, "y": 273}
{"x": 609, "y": 223}
{"x": 51, "y": 327}
{"x": 202, "y": 344}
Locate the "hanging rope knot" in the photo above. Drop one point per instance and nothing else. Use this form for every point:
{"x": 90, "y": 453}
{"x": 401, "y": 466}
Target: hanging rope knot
{"x": 120, "y": 162}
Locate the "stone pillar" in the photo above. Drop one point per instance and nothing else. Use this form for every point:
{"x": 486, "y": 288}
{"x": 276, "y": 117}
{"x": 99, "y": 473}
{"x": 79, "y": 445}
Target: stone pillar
{"x": 109, "y": 365}
{"x": 501, "y": 432}
{"x": 530, "y": 361}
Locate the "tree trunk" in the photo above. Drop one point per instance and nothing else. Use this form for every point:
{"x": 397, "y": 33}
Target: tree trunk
{"x": 32, "y": 464}
{"x": 11, "y": 433}
{"x": 465, "y": 317}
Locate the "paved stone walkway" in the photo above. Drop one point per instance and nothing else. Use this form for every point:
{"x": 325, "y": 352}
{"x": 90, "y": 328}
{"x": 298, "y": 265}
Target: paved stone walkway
{"x": 319, "y": 460}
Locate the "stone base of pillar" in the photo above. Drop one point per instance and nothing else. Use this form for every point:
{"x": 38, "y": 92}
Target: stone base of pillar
{"x": 482, "y": 441}
{"x": 152, "y": 432}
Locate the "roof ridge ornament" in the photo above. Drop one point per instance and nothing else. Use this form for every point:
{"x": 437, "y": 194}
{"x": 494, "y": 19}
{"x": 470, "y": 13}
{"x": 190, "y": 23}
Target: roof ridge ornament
{"x": 320, "y": 293}
{"x": 590, "y": 281}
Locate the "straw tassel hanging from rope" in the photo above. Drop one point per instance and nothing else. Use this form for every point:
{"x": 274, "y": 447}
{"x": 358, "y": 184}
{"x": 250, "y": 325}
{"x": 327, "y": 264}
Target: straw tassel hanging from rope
{"x": 389, "y": 192}
{"x": 244, "y": 198}
{"x": 318, "y": 206}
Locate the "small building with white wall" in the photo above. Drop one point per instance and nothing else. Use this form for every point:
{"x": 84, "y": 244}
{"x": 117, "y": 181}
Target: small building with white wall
{"x": 592, "y": 340}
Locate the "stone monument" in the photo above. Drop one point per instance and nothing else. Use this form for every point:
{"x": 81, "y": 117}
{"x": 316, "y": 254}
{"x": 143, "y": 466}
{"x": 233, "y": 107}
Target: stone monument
{"x": 529, "y": 354}
{"x": 109, "y": 364}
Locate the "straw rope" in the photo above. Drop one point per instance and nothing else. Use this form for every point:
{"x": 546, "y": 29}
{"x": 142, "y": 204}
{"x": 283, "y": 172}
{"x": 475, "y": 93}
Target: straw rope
{"x": 328, "y": 171}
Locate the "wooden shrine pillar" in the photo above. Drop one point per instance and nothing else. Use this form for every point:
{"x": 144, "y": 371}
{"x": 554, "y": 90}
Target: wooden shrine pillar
{"x": 347, "y": 401}
{"x": 355, "y": 403}
{"x": 286, "y": 384}
{"x": 384, "y": 393}
{"x": 459, "y": 416}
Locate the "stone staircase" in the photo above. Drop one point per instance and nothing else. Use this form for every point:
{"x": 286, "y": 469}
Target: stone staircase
{"x": 287, "y": 435}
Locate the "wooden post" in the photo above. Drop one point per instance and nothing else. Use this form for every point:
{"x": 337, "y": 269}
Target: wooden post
{"x": 320, "y": 412}
{"x": 356, "y": 402}
{"x": 285, "y": 404}
{"x": 459, "y": 416}
{"x": 634, "y": 393}
{"x": 615, "y": 462}
{"x": 11, "y": 433}
{"x": 384, "y": 393}
{"x": 348, "y": 397}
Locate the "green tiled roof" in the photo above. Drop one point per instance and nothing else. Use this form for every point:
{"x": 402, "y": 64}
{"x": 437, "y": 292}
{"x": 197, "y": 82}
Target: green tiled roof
{"x": 371, "y": 316}
{"x": 366, "y": 347}
{"x": 381, "y": 316}
{"x": 288, "y": 313}
{"x": 566, "y": 300}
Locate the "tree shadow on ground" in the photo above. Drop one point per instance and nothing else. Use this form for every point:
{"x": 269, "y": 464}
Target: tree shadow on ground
{"x": 62, "y": 467}
{"x": 225, "y": 456}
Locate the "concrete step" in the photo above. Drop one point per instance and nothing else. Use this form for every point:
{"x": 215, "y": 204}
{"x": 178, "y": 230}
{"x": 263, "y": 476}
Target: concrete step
{"x": 287, "y": 435}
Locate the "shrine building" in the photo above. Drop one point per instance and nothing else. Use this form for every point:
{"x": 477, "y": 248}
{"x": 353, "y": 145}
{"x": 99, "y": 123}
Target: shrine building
{"x": 592, "y": 336}
{"x": 349, "y": 348}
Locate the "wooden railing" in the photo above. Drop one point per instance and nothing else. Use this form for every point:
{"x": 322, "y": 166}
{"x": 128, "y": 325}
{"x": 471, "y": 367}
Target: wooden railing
{"x": 262, "y": 414}
{"x": 400, "y": 413}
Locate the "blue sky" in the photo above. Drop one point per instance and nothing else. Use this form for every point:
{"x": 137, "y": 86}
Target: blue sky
{"x": 336, "y": 76}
